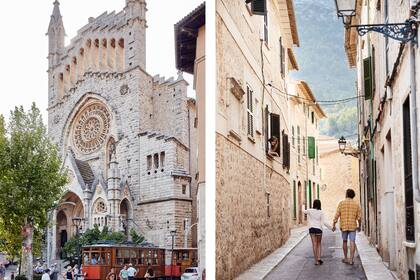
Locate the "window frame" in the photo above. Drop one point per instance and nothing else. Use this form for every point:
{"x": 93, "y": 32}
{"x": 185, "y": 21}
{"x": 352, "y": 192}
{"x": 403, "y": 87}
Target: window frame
{"x": 250, "y": 111}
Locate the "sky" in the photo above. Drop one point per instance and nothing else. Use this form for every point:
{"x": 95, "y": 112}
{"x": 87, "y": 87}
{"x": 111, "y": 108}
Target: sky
{"x": 24, "y": 45}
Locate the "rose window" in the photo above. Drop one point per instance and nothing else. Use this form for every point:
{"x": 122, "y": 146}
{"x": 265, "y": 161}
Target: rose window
{"x": 91, "y": 128}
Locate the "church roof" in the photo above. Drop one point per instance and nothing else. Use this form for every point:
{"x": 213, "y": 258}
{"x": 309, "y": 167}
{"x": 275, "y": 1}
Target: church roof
{"x": 85, "y": 171}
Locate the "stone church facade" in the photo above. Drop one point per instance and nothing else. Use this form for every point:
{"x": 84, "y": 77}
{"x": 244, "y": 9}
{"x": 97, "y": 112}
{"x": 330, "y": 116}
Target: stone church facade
{"x": 126, "y": 137}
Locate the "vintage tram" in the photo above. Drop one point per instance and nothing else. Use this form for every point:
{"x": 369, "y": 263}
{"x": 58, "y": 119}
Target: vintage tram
{"x": 99, "y": 259}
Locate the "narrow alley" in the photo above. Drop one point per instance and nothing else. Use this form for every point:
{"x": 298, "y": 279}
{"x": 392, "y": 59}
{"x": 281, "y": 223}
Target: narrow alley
{"x": 299, "y": 263}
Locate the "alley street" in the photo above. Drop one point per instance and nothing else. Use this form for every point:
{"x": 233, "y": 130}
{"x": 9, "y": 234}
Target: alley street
{"x": 299, "y": 264}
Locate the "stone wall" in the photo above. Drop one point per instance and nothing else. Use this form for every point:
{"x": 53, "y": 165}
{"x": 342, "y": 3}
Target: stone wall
{"x": 105, "y": 65}
{"x": 245, "y": 232}
{"x": 339, "y": 173}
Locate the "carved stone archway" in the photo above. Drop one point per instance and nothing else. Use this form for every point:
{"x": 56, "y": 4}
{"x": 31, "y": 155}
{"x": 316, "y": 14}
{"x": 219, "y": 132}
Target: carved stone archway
{"x": 70, "y": 206}
{"x": 125, "y": 215}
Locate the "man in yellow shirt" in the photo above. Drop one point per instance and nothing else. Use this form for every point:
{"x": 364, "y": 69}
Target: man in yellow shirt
{"x": 350, "y": 215}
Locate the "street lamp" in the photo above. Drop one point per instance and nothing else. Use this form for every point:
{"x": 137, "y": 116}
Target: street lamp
{"x": 404, "y": 32}
{"x": 346, "y": 9}
{"x": 342, "y": 143}
{"x": 77, "y": 221}
{"x": 173, "y": 233}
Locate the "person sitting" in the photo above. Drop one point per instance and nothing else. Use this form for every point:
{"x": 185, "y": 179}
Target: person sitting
{"x": 94, "y": 260}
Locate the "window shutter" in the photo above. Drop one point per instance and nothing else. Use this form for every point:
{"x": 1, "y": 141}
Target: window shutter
{"x": 408, "y": 174}
{"x": 266, "y": 130}
{"x": 250, "y": 112}
{"x": 286, "y": 150}
{"x": 311, "y": 147}
{"x": 259, "y": 7}
{"x": 367, "y": 76}
{"x": 282, "y": 58}
{"x": 275, "y": 130}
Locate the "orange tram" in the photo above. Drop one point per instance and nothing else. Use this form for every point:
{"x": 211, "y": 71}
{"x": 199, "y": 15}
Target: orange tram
{"x": 98, "y": 260}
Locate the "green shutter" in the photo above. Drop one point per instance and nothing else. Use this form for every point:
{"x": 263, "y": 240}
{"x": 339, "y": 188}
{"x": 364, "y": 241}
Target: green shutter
{"x": 311, "y": 147}
{"x": 317, "y": 189}
{"x": 259, "y": 7}
{"x": 310, "y": 193}
{"x": 367, "y": 75}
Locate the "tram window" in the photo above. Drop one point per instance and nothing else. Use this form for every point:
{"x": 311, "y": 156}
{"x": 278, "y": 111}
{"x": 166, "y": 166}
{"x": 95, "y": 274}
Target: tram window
{"x": 133, "y": 254}
{"x": 141, "y": 259}
{"x": 86, "y": 258}
{"x": 126, "y": 253}
{"x": 119, "y": 254}
{"x": 185, "y": 256}
{"x": 94, "y": 258}
{"x": 101, "y": 258}
{"x": 120, "y": 261}
{"x": 155, "y": 258}
{"x": 108, "y": 258}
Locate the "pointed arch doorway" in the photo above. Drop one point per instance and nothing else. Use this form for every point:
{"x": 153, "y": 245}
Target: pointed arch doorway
{"x": 70, "y": 206}
{"x": 125, "y": 215}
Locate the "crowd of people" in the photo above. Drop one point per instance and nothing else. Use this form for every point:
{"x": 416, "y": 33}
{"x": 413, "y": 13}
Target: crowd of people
{"x": 53, "y": 272}
{"x": 128, "y": 272}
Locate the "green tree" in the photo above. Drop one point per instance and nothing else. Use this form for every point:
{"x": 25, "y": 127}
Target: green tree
{"x": 135, "y": 237}
{"x": 31, "y": 181}
{"x": 91, "y": 236}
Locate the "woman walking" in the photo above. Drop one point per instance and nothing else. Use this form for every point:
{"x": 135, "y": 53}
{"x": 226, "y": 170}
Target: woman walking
{"x": 124, "y": 273}
{"x": 315, "y": 223}
{"x": 111, "y": 275}
{"x": 68, "y": 275}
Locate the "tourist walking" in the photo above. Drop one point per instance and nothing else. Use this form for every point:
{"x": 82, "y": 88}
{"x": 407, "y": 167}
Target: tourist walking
{"x": 350, "y": 215}
{"x": 124, "y": 273}
{"x": 68, "y": 275}
{"x": 131, "y": 271}
{"x": 54, "y": 272}
{"x": 149, "y": 274}
{"x": 111, "y": 275}
{"x": 2, "y": 271}
{"x": 76, "y": 272}
{"x": 46, "y": 275}
{"x": 316, "y": 222}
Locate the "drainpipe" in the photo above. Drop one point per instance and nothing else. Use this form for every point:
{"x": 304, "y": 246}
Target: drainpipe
{"x": 414, "y": 136}
{"x": 413, "y": 112}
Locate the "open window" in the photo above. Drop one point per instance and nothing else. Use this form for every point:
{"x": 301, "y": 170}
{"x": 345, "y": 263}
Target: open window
{"x": 274, "y": 135}
{"x": 258, "y": 7}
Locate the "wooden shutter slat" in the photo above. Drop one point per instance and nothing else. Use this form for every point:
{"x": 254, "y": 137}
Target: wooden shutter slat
{"x": 259, "y": 7}
{"x": 367, "y": 75}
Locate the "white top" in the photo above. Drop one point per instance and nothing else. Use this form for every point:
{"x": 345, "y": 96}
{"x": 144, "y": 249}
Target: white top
{"x": 131, "y": 271}
{"x": 315, "y": 218}
{"x": 45, "y": 276}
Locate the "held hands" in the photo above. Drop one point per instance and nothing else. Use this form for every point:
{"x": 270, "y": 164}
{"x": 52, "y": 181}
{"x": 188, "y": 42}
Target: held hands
{"x": 333, "y": 228}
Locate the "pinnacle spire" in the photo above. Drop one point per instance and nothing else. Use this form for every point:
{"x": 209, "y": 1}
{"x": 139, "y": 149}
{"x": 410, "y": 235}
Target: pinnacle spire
{"x": 56, "y": 18}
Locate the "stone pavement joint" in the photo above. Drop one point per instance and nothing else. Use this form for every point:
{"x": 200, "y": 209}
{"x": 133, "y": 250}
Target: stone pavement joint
{"x": 266, "y": 265}
{"x": 374, "y": 268}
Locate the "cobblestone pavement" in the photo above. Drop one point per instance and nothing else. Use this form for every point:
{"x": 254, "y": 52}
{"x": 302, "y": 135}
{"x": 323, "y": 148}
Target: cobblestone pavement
{"x": 299, "y": 264}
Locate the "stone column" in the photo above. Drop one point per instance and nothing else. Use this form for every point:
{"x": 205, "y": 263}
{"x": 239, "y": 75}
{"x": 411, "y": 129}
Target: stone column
{"x": 52, "y": 238}
{"x": 114, "y": 196}
{"x": 87, "y": 194}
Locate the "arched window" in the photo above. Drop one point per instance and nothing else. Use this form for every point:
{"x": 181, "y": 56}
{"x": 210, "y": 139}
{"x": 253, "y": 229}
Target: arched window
{"x": 104, "y": 55}
{"x": 120, "y": 57}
